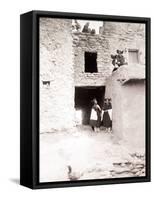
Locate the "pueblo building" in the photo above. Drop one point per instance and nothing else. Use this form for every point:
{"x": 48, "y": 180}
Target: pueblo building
{"x": 75, "y": 67}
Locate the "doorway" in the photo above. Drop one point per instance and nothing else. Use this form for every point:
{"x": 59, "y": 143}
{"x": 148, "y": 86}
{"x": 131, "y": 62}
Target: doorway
{"x": 83, "y": 100}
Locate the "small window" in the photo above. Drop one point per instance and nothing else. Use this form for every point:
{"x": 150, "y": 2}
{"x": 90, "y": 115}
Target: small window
{"x": 46, "y": 84}
{"x": 133, "y": 56}
{"x": 91, "y": 62}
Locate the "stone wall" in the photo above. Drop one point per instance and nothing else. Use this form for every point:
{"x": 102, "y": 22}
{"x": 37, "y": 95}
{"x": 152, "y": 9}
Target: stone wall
{"x": 114, "y": 35}
{"x": 85, "y": 42}
{"x": 56, "y": 75}
{"x": 124, "y": 36}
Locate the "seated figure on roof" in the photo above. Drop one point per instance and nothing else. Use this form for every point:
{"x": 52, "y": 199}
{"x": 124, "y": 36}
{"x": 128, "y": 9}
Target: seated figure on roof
{"x": 118, "y": 59}
{"x": 86, "y": 28}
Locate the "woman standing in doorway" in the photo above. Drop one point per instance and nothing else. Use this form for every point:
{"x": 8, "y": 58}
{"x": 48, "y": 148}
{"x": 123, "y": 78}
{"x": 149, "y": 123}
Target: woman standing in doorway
{"x": 95, "y": 117}
{"x": 107, "y": 120}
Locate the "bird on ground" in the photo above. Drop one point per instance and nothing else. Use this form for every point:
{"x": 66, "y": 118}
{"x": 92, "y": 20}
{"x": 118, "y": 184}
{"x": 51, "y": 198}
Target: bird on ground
{"x": 73, "y": 176}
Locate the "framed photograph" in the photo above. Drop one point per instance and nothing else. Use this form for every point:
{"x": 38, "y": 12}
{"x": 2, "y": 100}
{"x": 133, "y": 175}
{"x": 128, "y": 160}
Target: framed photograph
{"x": 85, "y": 99}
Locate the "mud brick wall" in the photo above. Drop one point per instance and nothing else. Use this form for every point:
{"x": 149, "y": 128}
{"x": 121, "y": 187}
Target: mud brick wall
{"x": 128, "y": 104}
{"x": 134, "y": 119}
{"x": 56, "y": 75}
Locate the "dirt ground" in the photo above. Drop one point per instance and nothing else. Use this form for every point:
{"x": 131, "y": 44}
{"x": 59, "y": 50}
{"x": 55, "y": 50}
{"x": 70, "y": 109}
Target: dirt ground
{"x": 89, "y": 155}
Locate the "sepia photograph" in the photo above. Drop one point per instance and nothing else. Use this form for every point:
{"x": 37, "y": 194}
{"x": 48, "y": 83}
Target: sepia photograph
{"x": 92, "y": 105}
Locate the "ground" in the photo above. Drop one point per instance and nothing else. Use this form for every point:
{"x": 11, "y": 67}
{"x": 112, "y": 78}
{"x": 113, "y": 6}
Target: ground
{"x": 89, "y": 155}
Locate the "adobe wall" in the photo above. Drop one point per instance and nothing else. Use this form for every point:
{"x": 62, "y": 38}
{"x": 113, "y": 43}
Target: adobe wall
{"x": 114, "y": 91}
{"x": 128, "y": 107}
{"x": 133, "y": 113}
{"x": 56, "y": 99}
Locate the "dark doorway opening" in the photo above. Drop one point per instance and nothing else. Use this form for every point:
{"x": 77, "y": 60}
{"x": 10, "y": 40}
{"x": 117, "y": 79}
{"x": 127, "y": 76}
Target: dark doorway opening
{"x": 83, "y": 98}
{"x": 91, "y": 62}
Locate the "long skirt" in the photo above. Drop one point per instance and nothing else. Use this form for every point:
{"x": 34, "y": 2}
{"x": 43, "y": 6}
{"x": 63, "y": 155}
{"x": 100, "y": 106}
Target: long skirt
{"x": 106, "y": 122}
{"x": 95, "y": 119}
{"x": 96, "y": 123}
{"x": 93, "y": 123}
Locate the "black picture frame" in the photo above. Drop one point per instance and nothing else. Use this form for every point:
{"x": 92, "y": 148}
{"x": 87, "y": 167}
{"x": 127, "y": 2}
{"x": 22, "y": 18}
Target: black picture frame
{"x": 29, "y": 99}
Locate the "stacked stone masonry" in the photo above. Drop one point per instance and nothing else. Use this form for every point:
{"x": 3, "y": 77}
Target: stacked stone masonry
{"x": 56, "y": 66}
